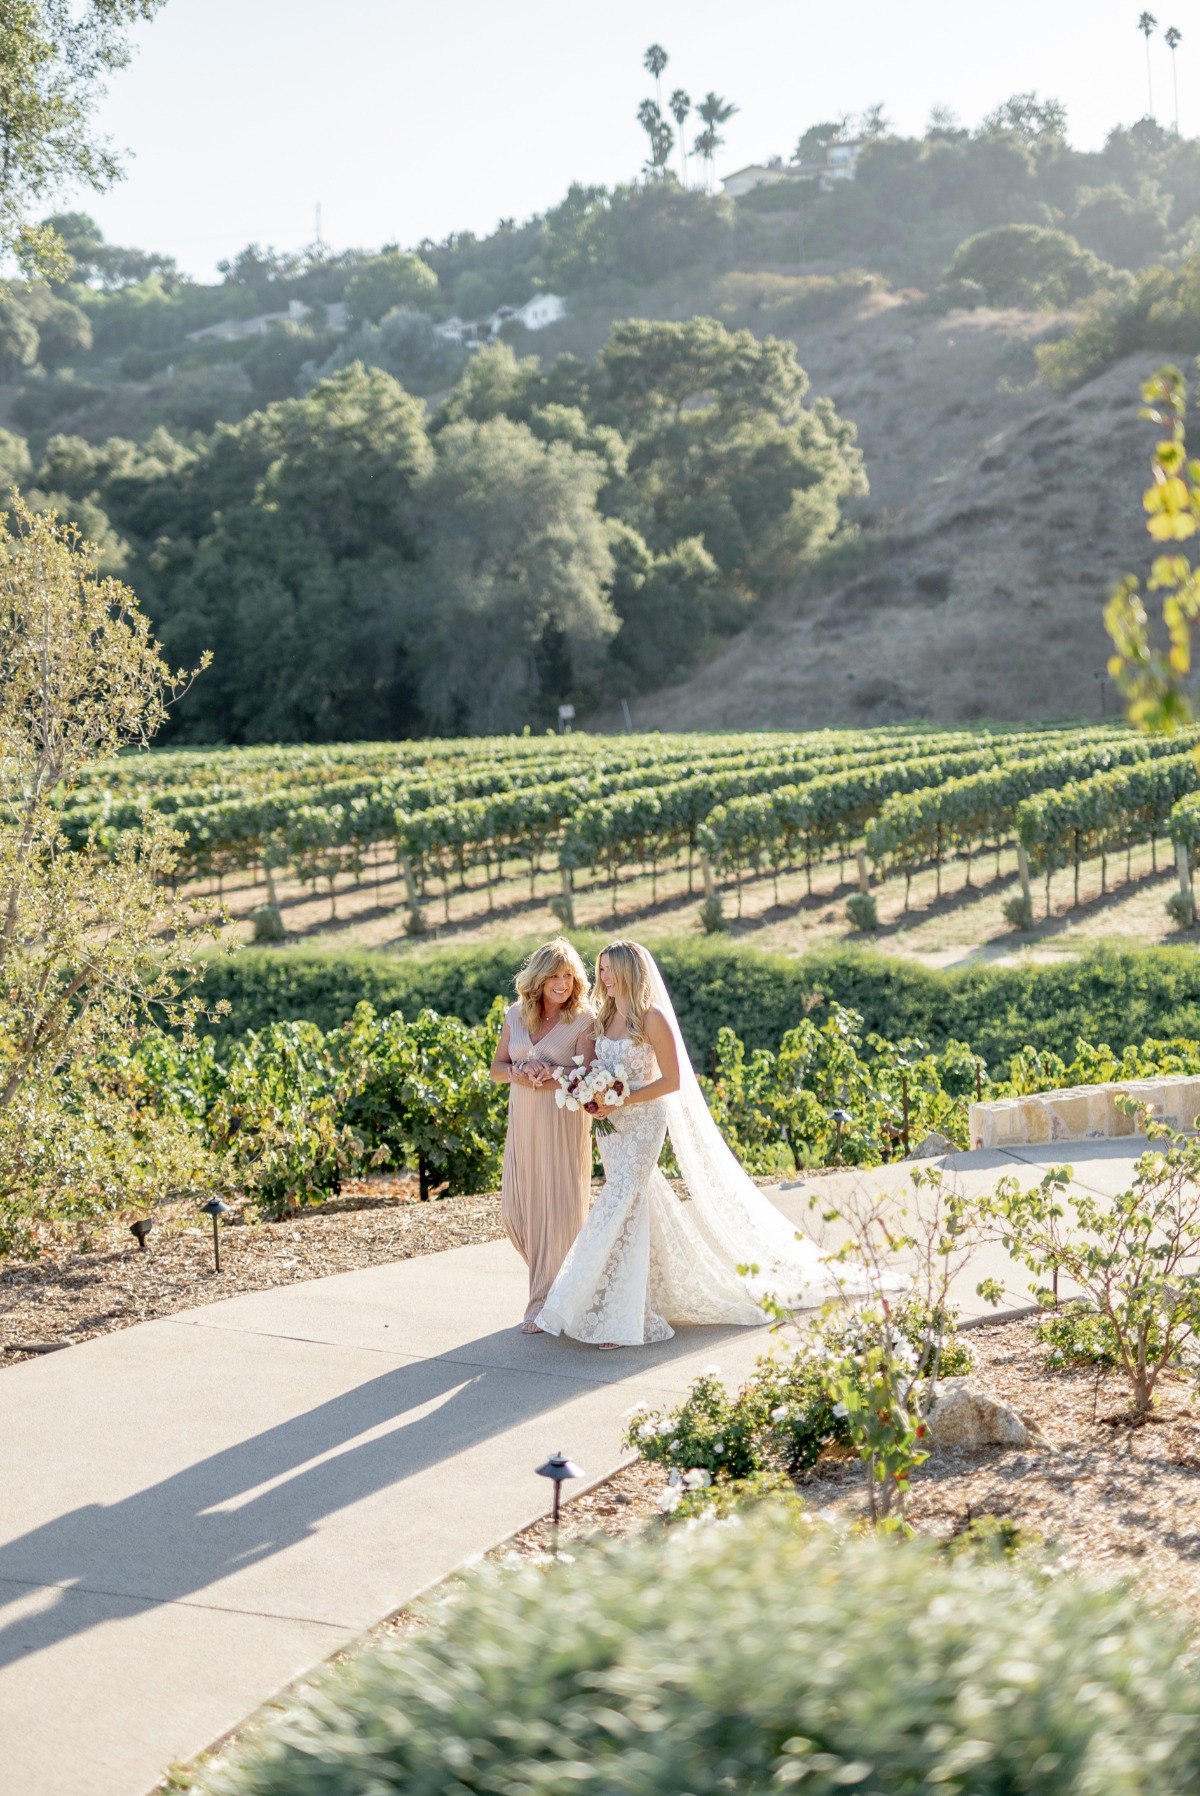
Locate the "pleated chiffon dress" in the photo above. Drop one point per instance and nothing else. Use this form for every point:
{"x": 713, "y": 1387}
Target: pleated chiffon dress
{"x": 546, "y": 1183}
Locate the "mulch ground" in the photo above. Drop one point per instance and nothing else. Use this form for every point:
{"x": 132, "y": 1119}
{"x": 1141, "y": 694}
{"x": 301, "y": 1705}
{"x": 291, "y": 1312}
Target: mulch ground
{"x": 1113, "y": 1500}
{"x": 67, "y": 1297}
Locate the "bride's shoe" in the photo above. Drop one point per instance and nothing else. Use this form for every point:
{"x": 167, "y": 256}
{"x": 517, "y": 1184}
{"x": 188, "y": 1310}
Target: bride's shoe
{"x": 531, "y": 1328}
{"x": 609, "y": 1346}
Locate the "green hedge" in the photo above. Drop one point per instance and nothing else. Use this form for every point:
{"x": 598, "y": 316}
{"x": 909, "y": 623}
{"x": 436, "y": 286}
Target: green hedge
{"x": 755, "y": 1658}
{"x": 1118, "y": 997}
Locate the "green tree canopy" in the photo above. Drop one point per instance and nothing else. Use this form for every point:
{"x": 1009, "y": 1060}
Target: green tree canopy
{"x": 302, "y": 532}
{"x": 722, "y": 447}
{"x": 406, "y": 344}
{"x": 395, "y": 278}
{"x": 509, "y": 613}
{"x": 54, "y": 57}
{"x": 1024, "y": 265}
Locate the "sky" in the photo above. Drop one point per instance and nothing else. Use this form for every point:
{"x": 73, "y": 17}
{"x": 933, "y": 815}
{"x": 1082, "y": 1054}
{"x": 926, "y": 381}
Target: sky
{"x": 403, "y": 120}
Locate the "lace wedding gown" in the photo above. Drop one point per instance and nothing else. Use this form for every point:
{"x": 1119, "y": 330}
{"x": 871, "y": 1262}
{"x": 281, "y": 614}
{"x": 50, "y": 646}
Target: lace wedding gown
{"x": 642, "y": 1259}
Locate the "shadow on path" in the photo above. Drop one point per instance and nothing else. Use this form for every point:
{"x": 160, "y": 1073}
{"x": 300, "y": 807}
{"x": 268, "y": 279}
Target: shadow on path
{"x": 251, "y": 1501}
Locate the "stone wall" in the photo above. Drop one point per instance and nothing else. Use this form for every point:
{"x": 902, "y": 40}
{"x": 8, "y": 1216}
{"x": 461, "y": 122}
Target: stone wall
{"x": 1084, "y": 1113}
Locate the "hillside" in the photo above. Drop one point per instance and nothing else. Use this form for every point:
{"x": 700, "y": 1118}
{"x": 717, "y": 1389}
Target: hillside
{"x": 998, "y": 516}
{"x": 656, "y": 498}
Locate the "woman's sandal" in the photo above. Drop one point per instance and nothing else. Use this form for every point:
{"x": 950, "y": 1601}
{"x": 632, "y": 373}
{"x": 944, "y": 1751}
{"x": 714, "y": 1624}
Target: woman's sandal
{"x": 531, "y": 1328}
{"x": 609, "y": 1346}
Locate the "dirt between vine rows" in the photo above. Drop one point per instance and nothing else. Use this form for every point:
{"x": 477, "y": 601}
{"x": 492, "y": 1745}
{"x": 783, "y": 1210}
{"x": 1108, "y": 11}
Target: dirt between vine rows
{"x": 961, "y": 921}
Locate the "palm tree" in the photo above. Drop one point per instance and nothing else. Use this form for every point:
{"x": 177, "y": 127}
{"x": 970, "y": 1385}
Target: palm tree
{"x": 1174, "y": 39}
{"x": 654, "y": 62}
{"x": 661, "y": 138}
{"x": 714, "y": 111}
{"x": 681, "y": 105}
{"x": 1146, "y": 25}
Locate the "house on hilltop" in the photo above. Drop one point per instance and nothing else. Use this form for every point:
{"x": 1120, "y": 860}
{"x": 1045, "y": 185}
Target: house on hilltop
{"x": 535, "y": 315}
{"x": 233, "y": 330}
{"x": 837, "y": 165}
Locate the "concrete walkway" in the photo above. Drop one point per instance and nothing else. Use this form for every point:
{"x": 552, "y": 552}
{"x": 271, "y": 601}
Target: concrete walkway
{"x": 197, "y": 1510}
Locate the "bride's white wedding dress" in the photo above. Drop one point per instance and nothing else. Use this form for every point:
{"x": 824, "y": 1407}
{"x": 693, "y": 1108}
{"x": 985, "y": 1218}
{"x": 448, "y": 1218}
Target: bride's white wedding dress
{"x": 646, "y": 1258}
{"x": 640, "y": 1262}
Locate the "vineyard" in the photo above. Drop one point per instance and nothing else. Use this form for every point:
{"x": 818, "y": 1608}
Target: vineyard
{"x": 433, "y": 833}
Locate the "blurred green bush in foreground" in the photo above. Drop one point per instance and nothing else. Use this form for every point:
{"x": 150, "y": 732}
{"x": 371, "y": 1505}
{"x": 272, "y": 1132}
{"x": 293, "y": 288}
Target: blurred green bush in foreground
{"x": 765, "y": 1655}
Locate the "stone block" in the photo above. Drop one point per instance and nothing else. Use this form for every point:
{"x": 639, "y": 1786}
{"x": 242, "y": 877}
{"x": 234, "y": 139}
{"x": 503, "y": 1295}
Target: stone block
{"x": 1084, "y": 1112}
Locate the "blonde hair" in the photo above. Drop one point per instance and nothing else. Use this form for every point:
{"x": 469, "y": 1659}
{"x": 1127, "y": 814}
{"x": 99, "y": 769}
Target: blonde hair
{"x": 555, "y": 957}
{"x": 630, "y": 969}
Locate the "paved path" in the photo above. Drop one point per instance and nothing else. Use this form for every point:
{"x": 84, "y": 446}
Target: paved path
{"x": 197, "y": 1510}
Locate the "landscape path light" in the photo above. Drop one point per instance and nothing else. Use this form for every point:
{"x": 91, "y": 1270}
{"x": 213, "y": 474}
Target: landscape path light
{"x": 840, "y": 1119}
{"x": 216, "y": 1209}
{"x": 560, "y": 1468}
{"x": 140, "y": 1229}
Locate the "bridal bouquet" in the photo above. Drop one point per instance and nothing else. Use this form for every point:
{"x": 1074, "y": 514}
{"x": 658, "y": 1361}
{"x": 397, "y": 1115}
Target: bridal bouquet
{"x": 583, "y": 1087}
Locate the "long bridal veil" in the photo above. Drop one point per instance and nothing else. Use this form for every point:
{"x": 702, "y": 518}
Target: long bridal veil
{"x": 741, "y": 1222}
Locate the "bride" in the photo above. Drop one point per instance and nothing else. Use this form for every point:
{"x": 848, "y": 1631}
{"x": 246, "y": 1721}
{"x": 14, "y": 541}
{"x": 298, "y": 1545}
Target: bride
{"x": 643, "y": 1258}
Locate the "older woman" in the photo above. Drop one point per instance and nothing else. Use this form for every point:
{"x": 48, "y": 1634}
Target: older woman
{"x": 548, "y": 1152}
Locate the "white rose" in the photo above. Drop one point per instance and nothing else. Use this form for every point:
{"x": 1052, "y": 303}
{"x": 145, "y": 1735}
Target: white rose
{"x": 560, "y": 1097}
{"x": 697, "y": 1479}
{"x": 839, "y": 1409}
{"x": 781, "y": 1414}
{"x": 669, "y": 1498}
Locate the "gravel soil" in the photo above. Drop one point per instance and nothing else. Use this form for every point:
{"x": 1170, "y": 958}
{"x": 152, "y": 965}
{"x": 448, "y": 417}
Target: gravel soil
{"x": 68, "y": 1297}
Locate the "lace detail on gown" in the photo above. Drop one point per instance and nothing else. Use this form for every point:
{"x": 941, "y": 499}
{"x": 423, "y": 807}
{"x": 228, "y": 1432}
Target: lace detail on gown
{"x": 640, "y": 1262}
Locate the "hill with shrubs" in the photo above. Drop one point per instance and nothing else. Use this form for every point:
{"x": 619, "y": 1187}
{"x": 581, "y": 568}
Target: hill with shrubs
{"x": 829, "y": 452}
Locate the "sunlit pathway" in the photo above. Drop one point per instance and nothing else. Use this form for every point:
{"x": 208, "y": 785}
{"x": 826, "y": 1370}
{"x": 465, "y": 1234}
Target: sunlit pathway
{"x": 198, "y": 1509}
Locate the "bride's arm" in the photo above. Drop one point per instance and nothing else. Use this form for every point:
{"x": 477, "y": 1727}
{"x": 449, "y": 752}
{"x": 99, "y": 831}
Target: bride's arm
{"x": 659, "y": 1034}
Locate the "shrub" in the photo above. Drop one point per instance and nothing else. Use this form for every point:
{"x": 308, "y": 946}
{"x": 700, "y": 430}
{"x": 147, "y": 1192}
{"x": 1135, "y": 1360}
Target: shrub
{"x": 786, "y": 1412}
{"x": 420, "y": 1093}
{"x": 1132, "y": 1255}
{"x": 276, "y": 1119}
{"x": 1076, "y": 1336}
{"x": 750, "y": 1658}
{"x": 1114, "y": 995}
{"x": 862, "y": 912}
{"x": 1023, "y": 265}
{"x": 1181, "y": 908}
{"x": 1018, "y": 911}
{"x": 712, "y": 915}
{"x": 268, "y": 923}
{"x": 784, "y": 302}
{"x": 1157, "y": 309}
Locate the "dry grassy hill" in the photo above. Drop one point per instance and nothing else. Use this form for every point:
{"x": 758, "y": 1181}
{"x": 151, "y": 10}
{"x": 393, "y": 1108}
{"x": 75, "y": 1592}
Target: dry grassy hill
{"x": 998, "y": 517}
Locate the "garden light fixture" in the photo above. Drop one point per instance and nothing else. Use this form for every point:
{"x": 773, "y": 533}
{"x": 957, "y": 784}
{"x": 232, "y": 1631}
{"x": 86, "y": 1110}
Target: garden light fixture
{"x": 140, "y": 1229}
{"x": 216, "y": 1209}
{"x": 558, "y": 1467}
{"x": 840, "y": 1119}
